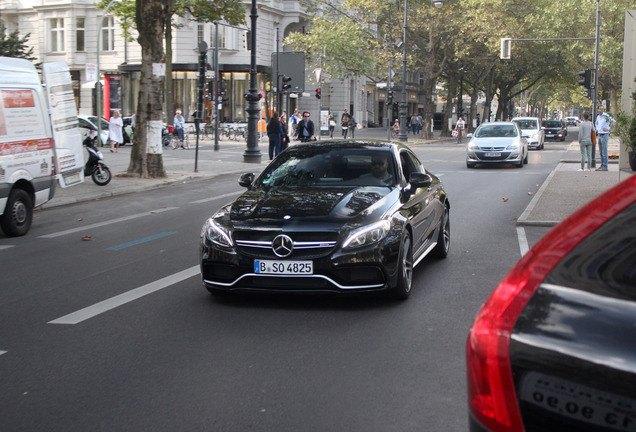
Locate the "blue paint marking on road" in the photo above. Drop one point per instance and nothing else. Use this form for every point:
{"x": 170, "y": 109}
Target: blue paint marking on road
{"x": 140, "y": 241}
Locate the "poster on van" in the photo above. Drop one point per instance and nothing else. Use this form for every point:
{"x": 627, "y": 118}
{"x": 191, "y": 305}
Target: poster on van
{"x": 66, "y": 135}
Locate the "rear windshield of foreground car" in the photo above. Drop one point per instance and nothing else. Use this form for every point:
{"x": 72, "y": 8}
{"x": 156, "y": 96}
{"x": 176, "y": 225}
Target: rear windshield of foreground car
{"x": 527, "y": 124}
{"x": 493, "y": 131}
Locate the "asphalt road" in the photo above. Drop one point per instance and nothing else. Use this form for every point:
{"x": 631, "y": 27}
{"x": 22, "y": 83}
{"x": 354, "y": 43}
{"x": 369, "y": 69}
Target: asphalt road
{"x": 105, "y": 325}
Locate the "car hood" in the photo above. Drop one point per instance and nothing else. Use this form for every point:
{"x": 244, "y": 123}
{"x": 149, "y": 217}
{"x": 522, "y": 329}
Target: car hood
{"x": 296, "y": 204}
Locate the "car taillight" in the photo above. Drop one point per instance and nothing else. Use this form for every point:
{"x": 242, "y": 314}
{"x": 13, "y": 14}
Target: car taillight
{"x": 492, "y": 397}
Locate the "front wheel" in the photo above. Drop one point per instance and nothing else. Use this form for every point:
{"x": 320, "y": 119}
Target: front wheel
{"x": 443, "y": 239}
{"x": 101, "y": 175}
{"x": 18, "y": 214}
{"x": 405, "y": 270}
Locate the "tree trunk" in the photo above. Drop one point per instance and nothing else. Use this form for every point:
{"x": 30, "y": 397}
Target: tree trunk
{"x": 451, "y": 92}
{"x": 146, "y": 157}
{"x": 169, "y": 94}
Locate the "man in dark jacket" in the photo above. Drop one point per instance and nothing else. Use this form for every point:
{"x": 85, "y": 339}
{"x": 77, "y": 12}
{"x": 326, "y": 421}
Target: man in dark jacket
{"x": 305, "y": 129}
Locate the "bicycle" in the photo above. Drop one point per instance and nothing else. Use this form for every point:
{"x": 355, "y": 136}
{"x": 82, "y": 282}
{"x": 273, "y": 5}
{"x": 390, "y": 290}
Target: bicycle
{"x": 175, "y": 141}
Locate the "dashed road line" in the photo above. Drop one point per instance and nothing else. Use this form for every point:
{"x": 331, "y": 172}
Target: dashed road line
{"x": 108, "y": 222}
{"x": 127, "y": 297}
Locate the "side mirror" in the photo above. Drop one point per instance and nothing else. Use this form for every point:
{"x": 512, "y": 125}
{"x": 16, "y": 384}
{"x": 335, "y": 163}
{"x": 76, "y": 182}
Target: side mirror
{"x": 419, "y": 180}
{"x": 469, "y": 135}
{"x": 246, "y": 180}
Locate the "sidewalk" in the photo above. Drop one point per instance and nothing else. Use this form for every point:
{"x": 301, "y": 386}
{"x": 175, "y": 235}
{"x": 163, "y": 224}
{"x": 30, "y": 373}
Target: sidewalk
{"x": 564, "y": 191}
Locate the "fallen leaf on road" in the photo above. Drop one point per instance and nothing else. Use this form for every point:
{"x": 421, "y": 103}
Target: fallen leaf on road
{"x": 80, "y": 219}
{"x": 530, "y": 193}
{"x": 505, "y": 199}
{"x": 87, "y": 238}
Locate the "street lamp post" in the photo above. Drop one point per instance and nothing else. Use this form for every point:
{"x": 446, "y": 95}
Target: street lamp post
{"x": 252, "y": 152}
{"x": 403, "y": 105}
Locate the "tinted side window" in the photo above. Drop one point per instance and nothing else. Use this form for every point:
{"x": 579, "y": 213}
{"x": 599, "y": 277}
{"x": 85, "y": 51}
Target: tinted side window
{"x": 604, "y": 263}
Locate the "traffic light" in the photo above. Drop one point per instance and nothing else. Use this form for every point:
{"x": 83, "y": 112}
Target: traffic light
{"x": 222, "y": 90}
{"x": 586, "y": 82}
{"x": 286, "y": 84}
{"x": 389, "y": 96}
{"x": 505, "y": 49}
{"x": 587, "y": 78}
{"x": 318, "y": 91}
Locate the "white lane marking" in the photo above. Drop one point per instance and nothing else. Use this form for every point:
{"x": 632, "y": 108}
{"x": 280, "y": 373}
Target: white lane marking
{"x": 523, "y": 241}
{"x": 6, "y": 247}
{"x": 108, "y": 222}
{"x": 217, "y": 197}
{"x": 3, "y": 352}
{"x": 127, "y": 297}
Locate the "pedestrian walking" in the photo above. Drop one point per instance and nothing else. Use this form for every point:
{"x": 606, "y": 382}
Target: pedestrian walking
{"x": 344, "y": 121}
{"x": 585, "y": 141}
{"x": 396, "y": 127}
{"x": 305, "y": 129}
{"x": 604, "y": 123}
{"x": 414, "y": 125}
{"x": 275, "y": 134}
{"x": 459, "y": 127}
{"x": 179, "y": 124}
{"x": 293, "y": 120}
{"x": 332, "y": 124}
{"x": 115, "y": 128}
{"x": 352, "y": 127}
{"x": 262, "y": 128}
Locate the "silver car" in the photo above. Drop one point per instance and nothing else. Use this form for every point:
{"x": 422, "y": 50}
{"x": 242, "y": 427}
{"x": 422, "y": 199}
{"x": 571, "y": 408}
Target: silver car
{"x": 532, "y": 130}
{"x": 498, "y": 142}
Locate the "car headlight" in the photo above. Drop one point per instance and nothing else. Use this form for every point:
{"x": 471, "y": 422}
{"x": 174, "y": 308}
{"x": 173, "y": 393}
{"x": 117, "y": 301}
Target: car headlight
{"x": 217, "y": 234}
{"x": 514, "y": 146}
{"x": 367, "y": 235}
{"x": 535, "y": 136}
{"x": 472, "y": 146}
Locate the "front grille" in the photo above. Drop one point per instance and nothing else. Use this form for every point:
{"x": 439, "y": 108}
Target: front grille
{"x": 307, "y": 245}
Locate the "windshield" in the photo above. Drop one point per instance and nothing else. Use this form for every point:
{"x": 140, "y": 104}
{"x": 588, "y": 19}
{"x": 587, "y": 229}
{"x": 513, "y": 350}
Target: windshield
{"x": 527, "y": 124}
{"x": 493, "y": 131}
{"x": 330, "y": 166}
{"x": 552, "y": 124}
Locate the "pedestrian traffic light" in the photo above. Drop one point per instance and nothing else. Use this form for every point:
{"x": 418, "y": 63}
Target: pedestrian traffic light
{"x": 286, "y": 84}
{"x": 318, "y": 91}
{"x": 389, "y": 96}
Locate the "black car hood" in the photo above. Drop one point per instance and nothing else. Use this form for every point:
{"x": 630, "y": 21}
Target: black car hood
{"x": 334, "y": 204}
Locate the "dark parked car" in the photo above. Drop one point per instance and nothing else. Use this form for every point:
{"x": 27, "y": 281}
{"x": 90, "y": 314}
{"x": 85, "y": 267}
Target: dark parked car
{"x": 342, "y": 217}
{"x": 554, "y": 130}
{"x": 553, "y": 347}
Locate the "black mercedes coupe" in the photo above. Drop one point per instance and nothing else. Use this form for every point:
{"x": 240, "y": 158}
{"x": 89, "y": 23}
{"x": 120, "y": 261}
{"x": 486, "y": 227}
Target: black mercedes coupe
{"x": 337, "y": 216}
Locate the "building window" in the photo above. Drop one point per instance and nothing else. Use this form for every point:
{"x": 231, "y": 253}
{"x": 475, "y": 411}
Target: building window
{"x": 80, "y": 44}
{"x": 200, "y": 38}
{"x": 108, "y": 34}
{"x": 57, "y": 34}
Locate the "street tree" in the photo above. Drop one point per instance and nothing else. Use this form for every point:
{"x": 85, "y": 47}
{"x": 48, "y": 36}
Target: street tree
{"x": 146, "y": 159}
{"x": 12, "y": 45}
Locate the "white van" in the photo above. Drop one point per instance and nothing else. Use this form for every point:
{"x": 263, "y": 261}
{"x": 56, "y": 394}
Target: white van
{"x": 33, "y": 154}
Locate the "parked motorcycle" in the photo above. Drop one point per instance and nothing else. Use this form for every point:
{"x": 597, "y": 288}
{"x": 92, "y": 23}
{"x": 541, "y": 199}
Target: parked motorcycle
{"x": 95, "y": 166}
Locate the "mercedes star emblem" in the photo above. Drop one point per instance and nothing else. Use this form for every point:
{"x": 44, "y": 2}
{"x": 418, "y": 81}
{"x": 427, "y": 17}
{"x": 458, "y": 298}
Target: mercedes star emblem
{"x": 282, "y": 245}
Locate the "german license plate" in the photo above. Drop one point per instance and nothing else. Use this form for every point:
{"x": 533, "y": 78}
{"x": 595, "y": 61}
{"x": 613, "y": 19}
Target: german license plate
{"x": 492, "y": 154}
{"x": 549, "y": 135}
{"x": 580, "y": 402}
{"x": 283, "y": 267}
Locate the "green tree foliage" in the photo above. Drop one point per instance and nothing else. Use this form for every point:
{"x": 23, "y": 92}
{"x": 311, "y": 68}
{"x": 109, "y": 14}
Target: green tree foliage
{"x": 12, "y": 45}
{"x": 462, "y": 41}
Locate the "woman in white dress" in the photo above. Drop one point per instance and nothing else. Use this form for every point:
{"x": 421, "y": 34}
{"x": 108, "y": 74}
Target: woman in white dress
{"x": 115, "y": 128}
